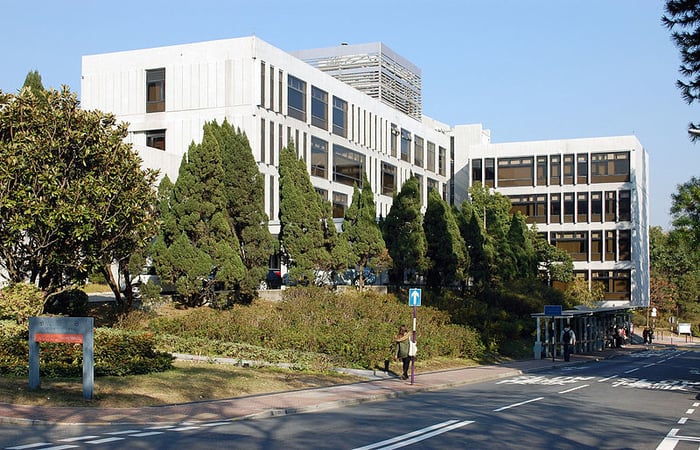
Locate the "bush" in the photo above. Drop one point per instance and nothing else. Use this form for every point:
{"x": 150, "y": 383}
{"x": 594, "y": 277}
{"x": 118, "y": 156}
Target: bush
{"x": 117, "y": 352}
{"x": 72, "y": 303}
{"x": 20, "y": 301}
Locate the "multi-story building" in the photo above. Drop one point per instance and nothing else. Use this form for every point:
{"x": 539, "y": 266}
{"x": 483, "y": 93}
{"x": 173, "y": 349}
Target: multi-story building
{"x": 357, "y": 109}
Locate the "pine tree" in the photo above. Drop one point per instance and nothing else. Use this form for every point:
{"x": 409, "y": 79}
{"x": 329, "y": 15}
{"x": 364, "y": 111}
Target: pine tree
{"x": 446, "y": 247}
{"x": 244, "y": 188}
{"x": 403, "y": 233}
{"x": 303, "y": 224}
{"x": 361, "y": 230}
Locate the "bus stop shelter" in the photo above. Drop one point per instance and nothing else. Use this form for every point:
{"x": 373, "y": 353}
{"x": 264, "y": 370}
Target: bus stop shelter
{"x": 593, "y": 328}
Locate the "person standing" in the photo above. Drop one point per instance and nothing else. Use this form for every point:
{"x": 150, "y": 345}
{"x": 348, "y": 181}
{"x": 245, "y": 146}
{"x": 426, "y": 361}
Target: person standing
{"x": 402, "y": 341}
{"x": 568, "y": 338}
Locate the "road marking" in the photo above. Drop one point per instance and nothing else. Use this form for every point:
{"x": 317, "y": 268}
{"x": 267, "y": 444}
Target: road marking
{"x": 682, "y": 420}
{"x": 649, "y": 365}
{"x": 116, "y": 433}
{"x": 669, "y": 442}
{"x": 607, "y": 379}
{"x": 517, "y": 404}
{"x": 574, "y": 389}
{"x": 23, "y": 447}
{"x": 215, "y": 424}
{"x": 183, "y": 429}
{"x": 416, "y": 436}
{"x": 690, "y": 411}
{"x": 146, "y": 434}
{"x": 78, "y": 438}
{"x": 632, "y": 370}
{"x": 105, "y": 440}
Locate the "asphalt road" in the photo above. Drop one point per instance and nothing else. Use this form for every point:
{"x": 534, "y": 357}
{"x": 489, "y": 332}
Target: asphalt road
{"x": 647, "y": 400}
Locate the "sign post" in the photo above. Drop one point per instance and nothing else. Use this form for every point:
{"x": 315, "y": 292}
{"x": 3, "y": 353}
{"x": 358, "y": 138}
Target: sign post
{"x": 414, "y": 298}
{"x": 71, "y": 330}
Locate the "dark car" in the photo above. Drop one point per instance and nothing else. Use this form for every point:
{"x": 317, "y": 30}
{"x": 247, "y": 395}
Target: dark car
{"x": 273, "y": 280}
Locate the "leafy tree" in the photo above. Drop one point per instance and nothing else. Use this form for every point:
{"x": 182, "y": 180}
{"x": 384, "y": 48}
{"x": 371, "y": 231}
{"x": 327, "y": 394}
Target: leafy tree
{"x": 361, "y": 231}
{"x": 685, "y": 210}
{"x": 304, "y": 226}
{"x": 33, "y": 82}
{"x": 403, "y": 233}
{"x": 244, "y": 188}
{"x": 446, "y": 249}
{"x": 198, "y": 250}
{"x": 521, "y": 248}
{"x": 578, "y": 292}
{"x": 73, "y": 196}
{"x": 683, "y": 19}
{"x": 481, "y": 252}
{"x": 555, "y": 264}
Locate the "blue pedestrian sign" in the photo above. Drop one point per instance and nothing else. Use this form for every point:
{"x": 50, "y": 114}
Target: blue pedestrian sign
{"x": 414, "y": 297}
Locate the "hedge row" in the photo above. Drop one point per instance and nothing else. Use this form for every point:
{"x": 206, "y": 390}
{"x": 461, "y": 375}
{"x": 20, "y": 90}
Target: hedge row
{"x": 117, "y": 352}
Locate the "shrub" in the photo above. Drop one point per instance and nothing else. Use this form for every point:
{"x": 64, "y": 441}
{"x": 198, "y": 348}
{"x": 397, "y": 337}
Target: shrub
{"x": 73, "y": 303}
{"x": 20, "y": 301}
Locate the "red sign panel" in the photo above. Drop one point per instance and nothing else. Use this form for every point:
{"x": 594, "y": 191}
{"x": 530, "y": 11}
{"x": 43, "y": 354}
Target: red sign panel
{"x": 59, "y": 337}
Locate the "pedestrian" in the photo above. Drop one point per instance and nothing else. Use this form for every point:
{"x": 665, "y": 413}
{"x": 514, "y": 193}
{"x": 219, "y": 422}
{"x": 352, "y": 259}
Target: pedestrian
{"x": 645, "y": 335}
{"x": 402, "y": 340}
{"x": 568, "y": 338}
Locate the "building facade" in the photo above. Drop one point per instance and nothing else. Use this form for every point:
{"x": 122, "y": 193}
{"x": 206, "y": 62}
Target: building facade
{"x": 357, "y": 109}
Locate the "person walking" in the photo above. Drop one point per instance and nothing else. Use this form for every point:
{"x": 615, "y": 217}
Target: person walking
{"x": 568, "y": 338}
{"x": 402, "y": 341}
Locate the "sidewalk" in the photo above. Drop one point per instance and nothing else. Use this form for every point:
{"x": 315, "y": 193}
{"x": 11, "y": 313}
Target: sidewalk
{"x": 379, "y": 388}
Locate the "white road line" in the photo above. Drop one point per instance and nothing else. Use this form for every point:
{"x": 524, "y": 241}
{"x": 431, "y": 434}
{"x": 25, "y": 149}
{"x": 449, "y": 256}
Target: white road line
{"x": 105, "y": 440}
{"x": 682, "y": 420}
{"x": 161, "y": 427}
{"x": 117, "y": 433}
{"x": 669, "y": 442}
{"x": 183, "y": 429}
{"x": 146, "y": 434}
{"x": 398, "y": 441}
{"x": 606, "y": 379}
{"x": 78, "y": 438}
{"x": 690, "y": 411}
{"x": 517, "y": 404}
{"x": 59, "y": 447}
{"x": 696, "y": 404}
{"x": 215, "y": 424}
{"x": 574, "y": 389}
{"x": 649, "y": 365}
{"x": 24, "y": 447}
{"x": 407, "y": 435}
{"x": 632, "y": 370}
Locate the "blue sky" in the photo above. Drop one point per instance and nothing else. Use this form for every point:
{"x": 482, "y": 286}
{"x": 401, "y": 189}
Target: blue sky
{"x": 525, "y": 69}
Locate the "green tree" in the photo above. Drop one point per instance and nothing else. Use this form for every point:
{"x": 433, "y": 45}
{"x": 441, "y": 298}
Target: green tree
{"x": 304, "y": 226}
{"x": 244, "y": 187}
{"x": 33, "y": 82}
{"x": 198, "y": 249}
{"x": 361, "y": 231}
{"x": 521, "y": 248}
{"x": 479, "y": 249}
{"x": 683, "y": 19}
{"x": 446, "y": 249}
{"x": 555, "y": 264}
{"x": 73, "y": 196}
{"x": 685, "y": 211}
{"x": 404, "y": 235}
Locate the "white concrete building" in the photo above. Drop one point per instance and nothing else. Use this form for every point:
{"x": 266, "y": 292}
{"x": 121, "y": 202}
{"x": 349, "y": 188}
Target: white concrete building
{"x": 166, "y": 94}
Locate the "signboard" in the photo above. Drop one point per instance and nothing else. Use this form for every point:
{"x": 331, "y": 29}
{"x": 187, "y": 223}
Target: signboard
{"x": 552, "y": 310}
{"x": 684, "y": 328}
{"x": 414, "y": 297}
{"x": 70, "y": 330}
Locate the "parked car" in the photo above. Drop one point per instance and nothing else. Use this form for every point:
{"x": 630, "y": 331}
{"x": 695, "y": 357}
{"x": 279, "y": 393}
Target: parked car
{"x": 351, "y": 277}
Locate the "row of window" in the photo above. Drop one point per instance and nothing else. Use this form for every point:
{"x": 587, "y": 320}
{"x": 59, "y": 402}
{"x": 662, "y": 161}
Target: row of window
{"x": 603, "y": 245}
{"x": 552, "y": 170}
{"x": 616, "y": 284}
{"x": 575, "y": 207}
{"x": 334, "y": 114}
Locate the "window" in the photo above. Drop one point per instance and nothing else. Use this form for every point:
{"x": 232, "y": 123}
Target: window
{"x": 340, "y": 117}
{"x": 489, "y": 172}
{"x": 155, "y": 90}
{"x": 405, "y": 145}
{"x": 296, "y": 98}
{"x": 272, "y": 88}
{"x": 394, "y": 140}
{"x": 534, "y": 207}
{"x": 610, "y": 167}
{"x": 582, "y": 207}
{"x": 624, "y": 245}
{"x": 569, "y": 207}
{"x": 624, "y": 207}
{"x": 610, "y": 247}
{"x": 155, "y": 139}
{"x": 319, "y": 157}
{"x": 348, "y": 166}
{"x": 263, "y": 139}
{"x": 430, "y": 161}
{"x": 323, "y": 193}
{"x": 555, "y": 170}
{"x": 262, "y": 83}
{"x": 418, "y": 152}
{"x": 568, "y": 169}
{"x": 442, "y": 160}
{"x": 575, "y": 243}
{"x": 272, "y": 143}
{"x": 596, "y": 245}
{"x": 388, "y": 179}
{"x": 433, "y": 185}
{"x": 582, "y": 169}
{"x": 419, "y": 178}
{"x": 616, "y": 284}
{"x": 610, "y": 206}
{"x": 340, "y": 203}
{"x": 596, "y": 206}
{"x": 319, "y": 108}
{"x": 555, "y": 208}
{"x": 515, "y": 172}
{"x": 476, "y": 171}
{"x": 542, "y": 171}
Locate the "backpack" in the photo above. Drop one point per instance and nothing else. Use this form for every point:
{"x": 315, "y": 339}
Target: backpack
{"x": 567, "y": 337}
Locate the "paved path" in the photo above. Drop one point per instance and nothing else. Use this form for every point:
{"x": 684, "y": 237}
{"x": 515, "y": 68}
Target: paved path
{"x": 267, "y": 405}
